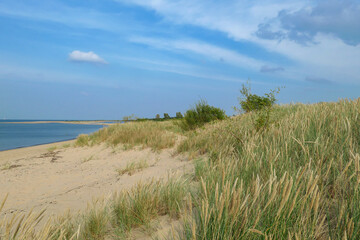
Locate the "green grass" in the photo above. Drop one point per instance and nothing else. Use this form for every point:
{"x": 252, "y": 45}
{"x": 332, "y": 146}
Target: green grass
{"x": 156, "y": 135}
{"x": 299, "y": 179}
{"x": 51, "y": 149}
{"x": 133, "y": 167}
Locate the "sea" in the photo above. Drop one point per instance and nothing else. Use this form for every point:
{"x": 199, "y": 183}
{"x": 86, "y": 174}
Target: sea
{"x": 17, "y": 135}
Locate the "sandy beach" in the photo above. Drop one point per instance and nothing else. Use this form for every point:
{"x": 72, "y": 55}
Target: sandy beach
{"x": 60, "y": 177}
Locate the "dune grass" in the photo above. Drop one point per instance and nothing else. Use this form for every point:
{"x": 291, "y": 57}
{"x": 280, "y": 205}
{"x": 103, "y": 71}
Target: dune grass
{"x": 156, "y": 135}
{"x": 110, "y": 218}
{"x": 133, "y": 167}
{"x": 298, "y": 179}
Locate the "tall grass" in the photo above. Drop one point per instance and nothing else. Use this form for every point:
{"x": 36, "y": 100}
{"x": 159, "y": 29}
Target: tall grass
{"x": 156, "y": 135}
{"x": 110, "y": 218}
{"x": 299, "y": 179}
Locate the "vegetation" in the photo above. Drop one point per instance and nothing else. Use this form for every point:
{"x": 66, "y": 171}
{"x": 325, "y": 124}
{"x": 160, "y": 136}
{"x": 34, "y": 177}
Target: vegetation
{"x": 166, "y": 116}
{"x": 112, "y": 218}
{"x": 156, "y": 135}
{"x": 260, "y": 106}
{"x": 201, "y": 114}
{"x": 179, "y": 115}
{"x": 299, "y": 179}
{"x": 133, "y": 167}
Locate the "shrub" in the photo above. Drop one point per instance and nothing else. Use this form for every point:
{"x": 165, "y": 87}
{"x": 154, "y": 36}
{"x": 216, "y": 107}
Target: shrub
{"x": 179, "y": 115}
{"x": 252, "y": 102}
{"x": 157, "y": 116}
{"x": 261, "y": 105}
{"x": 166, "y": 116}
{"x": 199, "y": 115}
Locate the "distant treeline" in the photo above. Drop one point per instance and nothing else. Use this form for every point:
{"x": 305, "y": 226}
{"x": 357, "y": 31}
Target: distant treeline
{"x": 165, "y": 117}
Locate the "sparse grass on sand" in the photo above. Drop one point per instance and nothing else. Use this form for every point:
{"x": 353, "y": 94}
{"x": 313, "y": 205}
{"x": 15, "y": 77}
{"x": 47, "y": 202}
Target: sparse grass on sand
{"x": 156, "y": 135}
{"x": 112, "y": 218}
{"x": 133, "y": 167}
{"x": 297, "y": 179}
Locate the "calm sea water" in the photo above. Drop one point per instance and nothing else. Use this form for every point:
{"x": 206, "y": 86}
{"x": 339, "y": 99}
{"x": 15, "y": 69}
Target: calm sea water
{"x": 24, "y": 135}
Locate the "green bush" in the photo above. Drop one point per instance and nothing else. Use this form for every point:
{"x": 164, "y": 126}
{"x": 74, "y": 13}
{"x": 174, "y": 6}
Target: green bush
{"x": 179, "y": 115}
{"x": 166, "y": 116}
{"x": 199, "y": 115}
{"x": 261, "y": 105}
{"x": 251, "y": 102}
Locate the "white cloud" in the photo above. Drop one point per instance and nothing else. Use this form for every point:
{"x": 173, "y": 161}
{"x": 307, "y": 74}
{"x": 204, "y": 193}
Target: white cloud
{"x": 91, "y": 57}
{"x": 201, "y": 48}
{"x": 329, "y": 58}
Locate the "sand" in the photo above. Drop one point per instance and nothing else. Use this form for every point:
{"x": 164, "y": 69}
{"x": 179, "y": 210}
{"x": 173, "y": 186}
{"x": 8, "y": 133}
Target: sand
{"x": 69, "y": 178}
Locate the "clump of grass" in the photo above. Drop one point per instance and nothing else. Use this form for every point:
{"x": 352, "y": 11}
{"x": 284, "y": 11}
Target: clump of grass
{"x": 105, "y": 218}
{"x": 145, "y": 202}
{"x": 297, "y": 180}
{"x": 8, "y": 166}
{"x": 133, "y": 167}
{"x": 5, "y": 166}
{"x": 51, "y": 149}
{"x": 87, "y": 159}
{"x": 156, "y": 135}
{"x": 66, "y": 145}
{"x": 93, "y": 224}
{"x": 24, "y": 226}
{"x": 82, "y": 140}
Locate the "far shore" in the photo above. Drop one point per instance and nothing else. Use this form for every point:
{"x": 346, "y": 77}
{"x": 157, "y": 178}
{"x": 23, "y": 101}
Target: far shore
{"x": 67, "y": 122}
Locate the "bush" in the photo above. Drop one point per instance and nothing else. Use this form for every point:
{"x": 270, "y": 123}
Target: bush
{"x": 166, "y": 116}
{"x": 201, "y": 114}
{"x": 261, "y": 105}
{"x": 252, "y": 102}
{"x": 179, "y": 115}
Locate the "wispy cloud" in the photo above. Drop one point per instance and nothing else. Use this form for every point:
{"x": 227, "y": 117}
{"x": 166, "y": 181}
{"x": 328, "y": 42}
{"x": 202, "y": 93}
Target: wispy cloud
{"x": 266, "y": 23}
{"x": 318, "y": 80}
{"x": 269, "y": 69}
{"x": 202, "y": 48}
{"x": 90, "y": 57}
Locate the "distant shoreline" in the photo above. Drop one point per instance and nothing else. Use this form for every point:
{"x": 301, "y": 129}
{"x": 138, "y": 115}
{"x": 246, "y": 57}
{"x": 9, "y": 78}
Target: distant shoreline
{"x": 66, "y": 122}
{"x": 69, "y": 140}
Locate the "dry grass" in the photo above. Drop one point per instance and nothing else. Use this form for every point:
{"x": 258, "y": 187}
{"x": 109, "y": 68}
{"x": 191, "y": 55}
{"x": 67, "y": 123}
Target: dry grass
{"x": 156, "y": 135}
{"x": 106, "y": 218}
{"x": 299, "y": 179}
{"x": 87, "y": 159}
{"x": 133, "y": 167}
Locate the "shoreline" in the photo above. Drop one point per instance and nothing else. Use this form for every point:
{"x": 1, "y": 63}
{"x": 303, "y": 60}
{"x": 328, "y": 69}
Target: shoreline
{"x": 23, "y": 152}
{"x": 65, "y": 122}
{"x": 41, "y": 144}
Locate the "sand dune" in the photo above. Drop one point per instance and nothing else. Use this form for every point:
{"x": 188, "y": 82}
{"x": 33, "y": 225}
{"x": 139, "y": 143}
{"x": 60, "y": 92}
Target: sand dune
{"x": 69, "y": 178}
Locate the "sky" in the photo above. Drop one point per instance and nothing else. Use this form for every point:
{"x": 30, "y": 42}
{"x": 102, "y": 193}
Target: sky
{"x": 106, "y": 59}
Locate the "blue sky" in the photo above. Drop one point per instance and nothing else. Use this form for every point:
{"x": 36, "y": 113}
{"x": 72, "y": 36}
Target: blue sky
{"x": 105, "y": 59}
